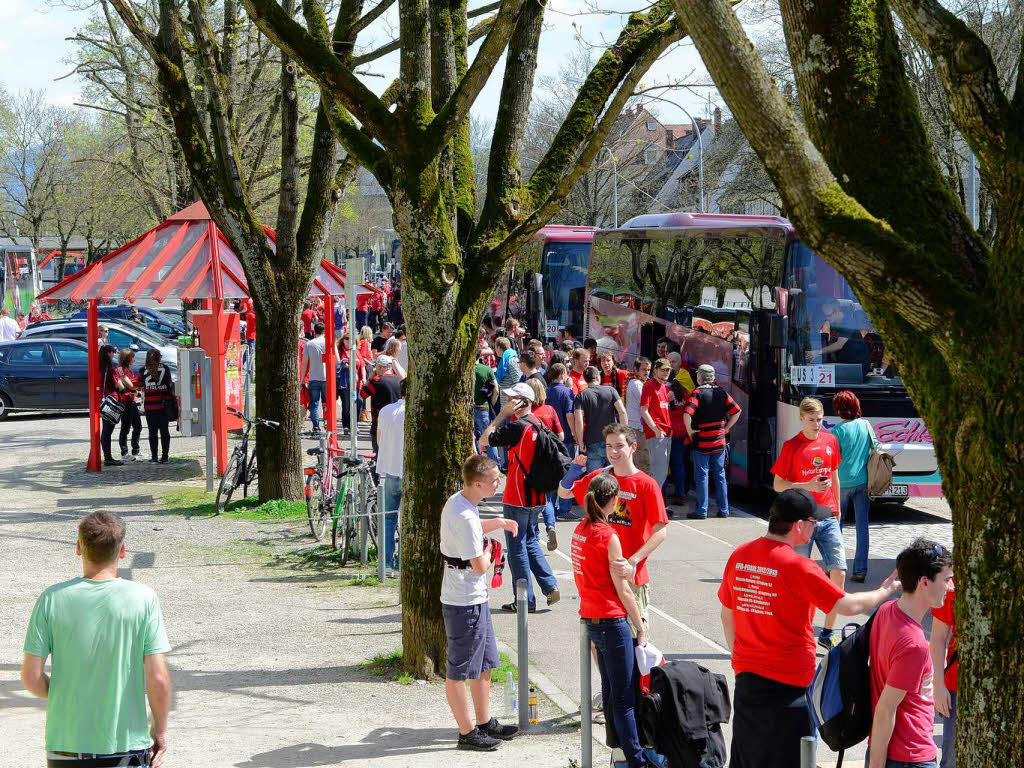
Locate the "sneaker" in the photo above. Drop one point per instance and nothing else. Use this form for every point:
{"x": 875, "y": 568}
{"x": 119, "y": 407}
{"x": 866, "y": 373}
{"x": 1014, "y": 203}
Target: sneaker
{"x": 165, "y": 460}
{"x": 553, "y": 597}
{"x": 722, "y": 514}
{"x": 858, "y": 577}
{"x": 828, "y": 639}
{"x": 511, "y": 607}
{"x": 113, "y": 463}
{"x": 695, "y": 516}
{"x": 477, "y": 741}
{"x": 496, "y": 730}
{"x": 569, "y": 517}
{"x": 154, "y": 460}
{"x": 552, "y": 540}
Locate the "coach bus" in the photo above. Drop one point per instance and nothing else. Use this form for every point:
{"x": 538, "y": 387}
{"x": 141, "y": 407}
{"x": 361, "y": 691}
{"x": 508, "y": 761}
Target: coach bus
{"x": 545, "y": 285}
{"x": 744, "y": 295}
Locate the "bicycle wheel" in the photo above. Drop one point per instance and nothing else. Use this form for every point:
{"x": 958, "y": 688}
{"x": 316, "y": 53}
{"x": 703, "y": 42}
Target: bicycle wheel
{"x": 316, "y": 507}
{"x": 371, "y": 511}
{"x": 229, "y": 481}
{"x": 339, "y": 525}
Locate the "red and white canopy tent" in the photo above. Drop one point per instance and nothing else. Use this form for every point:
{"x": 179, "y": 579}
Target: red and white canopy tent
{"x": 186, "y": 257}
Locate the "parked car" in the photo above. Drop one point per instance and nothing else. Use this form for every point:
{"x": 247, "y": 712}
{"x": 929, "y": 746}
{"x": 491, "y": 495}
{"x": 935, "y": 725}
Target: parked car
{"x": 156, "y": 321}
{"x": 122, "y": 335}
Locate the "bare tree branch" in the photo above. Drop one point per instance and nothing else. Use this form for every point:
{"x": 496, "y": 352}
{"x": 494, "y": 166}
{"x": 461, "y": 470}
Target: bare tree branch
{"x": 370, "y": 16}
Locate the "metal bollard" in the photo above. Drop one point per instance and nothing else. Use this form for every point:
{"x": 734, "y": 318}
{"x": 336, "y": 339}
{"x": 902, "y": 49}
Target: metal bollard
{"x": 522, "y": 639}
{"x": 586, "y": 721}
{"x": 381, "y": 565}
{"x": 808, "y": 746}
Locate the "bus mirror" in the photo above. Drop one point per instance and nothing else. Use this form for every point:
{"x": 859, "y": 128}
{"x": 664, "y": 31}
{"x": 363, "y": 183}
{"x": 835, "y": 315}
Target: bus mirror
{"x": 778, "y": 332}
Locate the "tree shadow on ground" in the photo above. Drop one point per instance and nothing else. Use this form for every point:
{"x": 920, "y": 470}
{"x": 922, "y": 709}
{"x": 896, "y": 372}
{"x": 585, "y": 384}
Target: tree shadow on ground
{"x": 383, "y": 742}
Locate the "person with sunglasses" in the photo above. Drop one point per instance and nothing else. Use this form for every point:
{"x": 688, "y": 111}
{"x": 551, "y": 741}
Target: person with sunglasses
{"x": 769, "y": 593}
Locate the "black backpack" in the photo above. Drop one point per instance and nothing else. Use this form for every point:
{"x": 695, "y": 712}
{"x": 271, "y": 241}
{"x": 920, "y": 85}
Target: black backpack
{"x": 550, "y": 460}
{"x": 839, "y": 696}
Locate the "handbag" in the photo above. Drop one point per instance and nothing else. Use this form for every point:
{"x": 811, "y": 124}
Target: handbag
{"x": 171, "y": 407}
{"x": 111, "y": 409}
{"x": 880, "y": 466}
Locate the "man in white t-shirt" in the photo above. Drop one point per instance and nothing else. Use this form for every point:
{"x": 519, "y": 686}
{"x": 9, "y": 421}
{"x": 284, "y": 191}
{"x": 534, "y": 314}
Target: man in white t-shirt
{"x": 313, "y": 366}
{"x": 9, "y": 329}
{"x": 634, "y": 390}
{"x": 390, "y": 448}
{"x": 472, "y": 650}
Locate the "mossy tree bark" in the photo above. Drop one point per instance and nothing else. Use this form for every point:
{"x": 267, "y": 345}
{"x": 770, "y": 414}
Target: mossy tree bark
{"x": 861, "y": 186}
{"x": 452, "y": 260}
{"x": 197, "y": 96}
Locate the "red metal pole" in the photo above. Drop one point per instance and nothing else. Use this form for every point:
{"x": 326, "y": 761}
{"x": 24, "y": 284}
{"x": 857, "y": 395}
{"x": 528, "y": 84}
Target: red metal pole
{"x": 92, "y": 335}
{"x": 331, "y": 387}
{"x": 220, "y": 405}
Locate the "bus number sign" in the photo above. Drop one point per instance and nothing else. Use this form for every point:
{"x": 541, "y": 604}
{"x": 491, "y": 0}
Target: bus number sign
{"x": 813, "y": 375}
{"x": 550, "y": 329}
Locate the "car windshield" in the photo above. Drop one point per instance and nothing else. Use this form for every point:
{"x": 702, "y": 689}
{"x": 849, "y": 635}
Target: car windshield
{"x": 832, "y": 342}
{"x": 137, "y": 329}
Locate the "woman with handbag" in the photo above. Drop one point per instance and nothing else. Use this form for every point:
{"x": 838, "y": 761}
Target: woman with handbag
{"x": 112, "y": 388}
{"x": 856, "y": 439}
{"x": 606, "y": 601}
{"x": 159, "y": 403}
{"x": 131, "y": 420}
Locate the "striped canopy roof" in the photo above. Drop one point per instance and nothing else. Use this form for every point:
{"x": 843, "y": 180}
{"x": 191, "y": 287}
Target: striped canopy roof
{"x": 184, "y": 257}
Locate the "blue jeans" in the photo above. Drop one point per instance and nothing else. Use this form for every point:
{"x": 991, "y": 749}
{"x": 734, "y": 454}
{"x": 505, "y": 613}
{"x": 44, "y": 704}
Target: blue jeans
{"x": 901, "y": 763}
{"x": 392, "y": 499}
{"x": 548, "y": 513}
{"x": 615, "y": 661}
{"x": 948, "y": 745}
{"x": 524, "y": 552}
{"x": 858, "y": 496}
{"x": 713, "y": 464}
{"x": 829, "y": 539}
{"x": 481, "y": 420}
{"x": 677, "y": 461}
{"x": 316, "y": 396}
{"x": 597, "y": 457}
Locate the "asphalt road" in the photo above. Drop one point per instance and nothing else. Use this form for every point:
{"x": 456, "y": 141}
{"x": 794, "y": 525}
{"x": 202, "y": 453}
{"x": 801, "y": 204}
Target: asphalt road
{"x": 685, "y": 574}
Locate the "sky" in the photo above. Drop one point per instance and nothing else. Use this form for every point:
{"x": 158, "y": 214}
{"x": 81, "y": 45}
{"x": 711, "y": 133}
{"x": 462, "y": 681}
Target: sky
{"x": 33, "y": 47}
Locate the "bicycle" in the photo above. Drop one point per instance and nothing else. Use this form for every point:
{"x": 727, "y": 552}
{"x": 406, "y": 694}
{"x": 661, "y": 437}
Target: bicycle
{"x": 320, "y": 486}
{"x": 337, "y": 487}
{"x": 241, "y": 468}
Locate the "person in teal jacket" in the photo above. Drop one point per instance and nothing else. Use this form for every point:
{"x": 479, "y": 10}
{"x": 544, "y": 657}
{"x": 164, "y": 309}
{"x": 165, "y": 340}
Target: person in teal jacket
{"x": 856, "y": 439}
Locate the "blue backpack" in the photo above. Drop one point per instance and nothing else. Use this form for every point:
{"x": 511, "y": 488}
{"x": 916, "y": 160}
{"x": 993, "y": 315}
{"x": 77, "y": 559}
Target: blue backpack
{"x": 839, "y": 696}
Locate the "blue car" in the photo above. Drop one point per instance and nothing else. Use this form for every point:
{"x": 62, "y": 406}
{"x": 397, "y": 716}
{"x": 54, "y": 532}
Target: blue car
{"x": 156, "y": 321}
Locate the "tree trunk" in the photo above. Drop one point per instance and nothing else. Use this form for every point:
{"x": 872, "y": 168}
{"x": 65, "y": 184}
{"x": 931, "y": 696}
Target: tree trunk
{"x": 438, "y": 429}
{"x": 279, "y": 451}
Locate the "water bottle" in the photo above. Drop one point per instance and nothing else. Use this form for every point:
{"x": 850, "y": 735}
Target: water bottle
{"x": 532, "y": 701}
{"x": 513, "y": 699}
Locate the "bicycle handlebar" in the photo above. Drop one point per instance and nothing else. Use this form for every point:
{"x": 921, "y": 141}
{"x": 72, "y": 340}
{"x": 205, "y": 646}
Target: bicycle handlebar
{"x": 264, "y": 422}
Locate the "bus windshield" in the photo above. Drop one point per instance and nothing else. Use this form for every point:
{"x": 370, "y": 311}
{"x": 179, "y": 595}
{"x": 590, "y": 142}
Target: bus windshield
{"x": 565, "y": 280}
{"x": 832, "y": 342}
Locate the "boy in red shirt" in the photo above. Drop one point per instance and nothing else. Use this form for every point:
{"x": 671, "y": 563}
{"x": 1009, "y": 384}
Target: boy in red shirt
{"x": 769, "y": 593}
{"x": 901, "y": 664}
{"x": 942, "y": 642}
{"x": 639, "y": 519}
{"x": 654, "y": 413}
{"x": 810, "y": 460}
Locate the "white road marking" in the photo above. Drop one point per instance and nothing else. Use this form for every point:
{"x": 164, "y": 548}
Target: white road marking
{"x": 672, "y": 619}
{"x": 703, "y": 533}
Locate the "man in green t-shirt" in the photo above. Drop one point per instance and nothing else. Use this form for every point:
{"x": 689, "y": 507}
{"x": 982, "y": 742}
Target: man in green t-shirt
{"x": 107, "y": 644}
{"x": 485, "y": 393}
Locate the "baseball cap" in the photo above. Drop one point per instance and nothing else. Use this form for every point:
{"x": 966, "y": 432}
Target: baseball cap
{"x": 384, "y": 360}
{"x": 798, "y": 504}
{"x": 522, "y": 389}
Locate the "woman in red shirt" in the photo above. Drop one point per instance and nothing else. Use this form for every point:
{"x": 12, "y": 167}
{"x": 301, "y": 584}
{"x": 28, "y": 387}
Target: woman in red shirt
{"x": 547, "y": 416}
{"x": 605, "y": 602}
{"x": 112, "y": 385}
{"x": 131, "y": 419}
{"x": 612, "y": 375}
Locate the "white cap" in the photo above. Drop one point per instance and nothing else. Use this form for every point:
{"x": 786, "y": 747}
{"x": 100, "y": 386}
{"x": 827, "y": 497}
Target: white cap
{"x": 522, "y": 389}
{"x": 384, "y": 361}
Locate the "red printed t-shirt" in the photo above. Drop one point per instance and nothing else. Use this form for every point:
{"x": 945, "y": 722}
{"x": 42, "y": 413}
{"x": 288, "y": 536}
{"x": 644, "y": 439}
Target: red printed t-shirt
{"x": 308, "y": 315}
{"x": 639, "y": 509}
{"x": 250, "y": 325}
{"x": 520, "y": 437}
{"x": 546, "y": 415}
{"x": 576, "y": 382}
{"x": 655, "y": 396}
{"x": 900, "y": 658}
{"x": 598, "y": 598}
{"x": 946, "y": 616}
{"x": 801, "y": 459}
{"x": 772, "y": 592}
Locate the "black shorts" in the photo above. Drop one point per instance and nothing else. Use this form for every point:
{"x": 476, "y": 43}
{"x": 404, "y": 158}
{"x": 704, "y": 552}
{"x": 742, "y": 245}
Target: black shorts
{"x": 769, "y": 719}
{"x": 471, "y": 644}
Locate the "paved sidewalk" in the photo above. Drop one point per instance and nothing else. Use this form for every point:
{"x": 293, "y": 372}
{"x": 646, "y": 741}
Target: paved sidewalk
{"x": 268, "y": 652}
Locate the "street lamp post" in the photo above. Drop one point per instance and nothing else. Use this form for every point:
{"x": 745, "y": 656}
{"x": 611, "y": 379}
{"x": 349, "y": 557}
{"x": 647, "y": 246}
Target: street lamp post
{"x": 615, "y": 185}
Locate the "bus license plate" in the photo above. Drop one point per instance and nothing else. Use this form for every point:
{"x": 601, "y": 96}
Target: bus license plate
{"x": 897, "y": 490}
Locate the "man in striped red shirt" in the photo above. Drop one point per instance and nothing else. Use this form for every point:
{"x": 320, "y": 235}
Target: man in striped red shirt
{"x": 709, "y": 415}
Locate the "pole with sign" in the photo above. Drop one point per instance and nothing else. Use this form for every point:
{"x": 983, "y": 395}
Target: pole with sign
{"x": 353, "y": 278}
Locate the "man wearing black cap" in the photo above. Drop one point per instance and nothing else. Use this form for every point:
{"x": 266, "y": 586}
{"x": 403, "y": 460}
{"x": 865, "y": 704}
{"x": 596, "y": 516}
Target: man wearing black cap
{"x": 769, "y": 593}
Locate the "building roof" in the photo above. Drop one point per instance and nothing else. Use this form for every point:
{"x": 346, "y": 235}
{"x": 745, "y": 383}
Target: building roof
{"x": 184, "y": 257}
